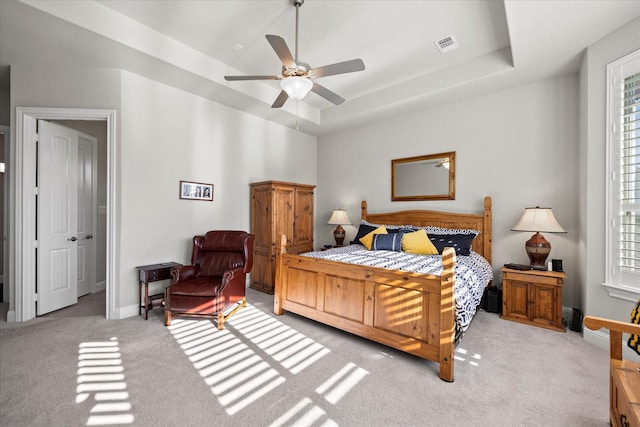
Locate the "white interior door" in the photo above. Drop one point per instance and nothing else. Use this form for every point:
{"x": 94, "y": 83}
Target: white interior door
{"x": 87, "y": 159}
{"x": 57, "y": 223}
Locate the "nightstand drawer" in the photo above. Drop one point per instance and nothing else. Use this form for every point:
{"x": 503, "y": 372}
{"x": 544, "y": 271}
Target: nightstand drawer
{"x": 526, "y": 277}
{"x": 156, "y": 275}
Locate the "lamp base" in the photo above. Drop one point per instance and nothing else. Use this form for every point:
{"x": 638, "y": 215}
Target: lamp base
{"x": 339, "y": 234}
{"x": 538, "y": 249}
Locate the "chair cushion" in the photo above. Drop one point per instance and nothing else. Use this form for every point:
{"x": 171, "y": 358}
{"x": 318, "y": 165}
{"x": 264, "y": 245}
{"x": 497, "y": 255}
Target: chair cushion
{"x": 198, "y": 287}
{"x": 216, "y": 263}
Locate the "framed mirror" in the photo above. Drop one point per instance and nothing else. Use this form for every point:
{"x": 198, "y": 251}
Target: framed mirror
{"x": 430, "y": 177}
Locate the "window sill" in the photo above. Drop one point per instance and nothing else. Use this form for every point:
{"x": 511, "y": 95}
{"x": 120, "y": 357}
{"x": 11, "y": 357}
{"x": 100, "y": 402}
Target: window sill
{"x": 623, "y": 292}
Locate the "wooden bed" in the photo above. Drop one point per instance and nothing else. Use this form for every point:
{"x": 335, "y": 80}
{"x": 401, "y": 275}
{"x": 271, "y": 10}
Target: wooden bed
{"x": 411, "y": 312}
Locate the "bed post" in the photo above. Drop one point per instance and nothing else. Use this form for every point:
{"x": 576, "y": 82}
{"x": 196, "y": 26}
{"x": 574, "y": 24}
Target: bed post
{"x": 447, "y": 315}
{"x": 278, "y": 291}
{"x": 487, "y": 230}
{"x": 363, "y": 209}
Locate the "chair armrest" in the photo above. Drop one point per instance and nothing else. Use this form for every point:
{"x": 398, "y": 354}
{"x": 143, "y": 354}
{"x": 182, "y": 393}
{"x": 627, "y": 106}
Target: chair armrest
{"x": 231, "y": 276}
{"x": 616, "y": 329}
{"x": 595, "y": 323}
{"x": 184, "y": 273}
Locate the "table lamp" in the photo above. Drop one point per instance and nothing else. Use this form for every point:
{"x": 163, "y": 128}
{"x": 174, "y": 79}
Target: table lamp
{"x": 339, "y": 217}
{"x": 538, "y": 219}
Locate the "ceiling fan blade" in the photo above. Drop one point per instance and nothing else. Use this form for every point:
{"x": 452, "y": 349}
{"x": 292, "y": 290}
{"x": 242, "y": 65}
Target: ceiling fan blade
{"x": 327, "y": 94}
{"x": 280, "y": 100}
{"x": 232, "y": 78}
{"x": 339, "y": 68}
{"x": 282, "y": 50}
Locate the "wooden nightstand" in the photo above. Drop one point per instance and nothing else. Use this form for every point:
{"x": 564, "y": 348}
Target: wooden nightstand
{"x": 533, "y": 297}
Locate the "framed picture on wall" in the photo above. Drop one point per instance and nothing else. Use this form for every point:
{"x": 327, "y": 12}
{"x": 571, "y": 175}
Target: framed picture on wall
{"x": 190, "y": 190}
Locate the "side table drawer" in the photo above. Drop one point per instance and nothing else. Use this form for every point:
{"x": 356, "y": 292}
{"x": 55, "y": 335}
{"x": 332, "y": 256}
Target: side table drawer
{"x": 522, "y": 277}
{"x": 157, "y": 275}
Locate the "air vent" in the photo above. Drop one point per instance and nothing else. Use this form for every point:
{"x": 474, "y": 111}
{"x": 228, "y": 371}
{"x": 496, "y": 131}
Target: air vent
{"x": 447, "y": 43}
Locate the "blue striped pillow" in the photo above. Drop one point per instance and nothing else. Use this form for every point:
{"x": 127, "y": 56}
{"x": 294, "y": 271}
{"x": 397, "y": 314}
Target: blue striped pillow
{"x": 388, "y": 242}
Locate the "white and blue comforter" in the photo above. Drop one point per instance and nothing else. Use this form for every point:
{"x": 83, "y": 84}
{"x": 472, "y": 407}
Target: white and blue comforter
{"x": 473, "y": 272}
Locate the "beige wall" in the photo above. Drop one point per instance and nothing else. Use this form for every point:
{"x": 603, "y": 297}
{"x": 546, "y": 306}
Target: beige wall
{"x": 164, "y": 135}
{"x": 518, "y": 146}
{"x": 169, "y": 135}
{"x": 597, "y": 301}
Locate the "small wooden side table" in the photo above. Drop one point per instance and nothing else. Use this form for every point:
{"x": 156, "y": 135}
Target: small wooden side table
{"x": 533, "y": 297}
{"x": 152, "y": 273}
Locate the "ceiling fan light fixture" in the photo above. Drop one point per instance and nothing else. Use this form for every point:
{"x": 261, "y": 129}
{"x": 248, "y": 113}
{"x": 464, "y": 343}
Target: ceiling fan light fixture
{"x": 296, "y": 87}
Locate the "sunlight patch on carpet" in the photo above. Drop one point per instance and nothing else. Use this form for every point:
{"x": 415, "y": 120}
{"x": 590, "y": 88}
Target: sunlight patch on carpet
{"x": 100, "y": 372}
{"x": 235, "y": 374}
{"x": 336, "y": 387}
{"x": 294, "y": 351}
{"x": 463, "y": 355}
{"x": 238, "y": 375}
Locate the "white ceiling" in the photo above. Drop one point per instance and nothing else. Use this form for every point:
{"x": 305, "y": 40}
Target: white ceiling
{"x": 190, "y": 45}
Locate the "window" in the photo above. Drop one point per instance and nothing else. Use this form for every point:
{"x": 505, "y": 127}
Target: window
{"x": 623, "y": 187}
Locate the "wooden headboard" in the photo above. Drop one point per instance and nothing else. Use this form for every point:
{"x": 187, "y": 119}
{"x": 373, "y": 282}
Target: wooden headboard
{"x": 422, "y": 218}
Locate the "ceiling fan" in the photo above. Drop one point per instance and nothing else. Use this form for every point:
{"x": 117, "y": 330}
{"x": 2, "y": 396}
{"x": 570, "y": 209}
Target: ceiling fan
{"x": 297, "y": 77}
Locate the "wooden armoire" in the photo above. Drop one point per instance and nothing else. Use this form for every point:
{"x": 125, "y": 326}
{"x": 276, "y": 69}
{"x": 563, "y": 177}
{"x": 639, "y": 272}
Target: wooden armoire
{"x": 278, "y": 208}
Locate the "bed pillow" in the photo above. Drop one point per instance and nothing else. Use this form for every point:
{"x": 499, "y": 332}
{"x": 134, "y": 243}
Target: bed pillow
{"x": 368, "y": 239}
{"x": 392, "y": 241}
{"x": 389, "y": 227}
{"x": 386, "y": 242}
{"x": 441, "y": 230}
{"x": 418, "y": 242}
{"x": 363, "y": 230}
{"x": 460, "y": 242}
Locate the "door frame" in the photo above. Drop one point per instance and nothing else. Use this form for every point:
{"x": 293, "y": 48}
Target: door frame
{"x": 24, "y": 240}
{"x": 6, "y": 131}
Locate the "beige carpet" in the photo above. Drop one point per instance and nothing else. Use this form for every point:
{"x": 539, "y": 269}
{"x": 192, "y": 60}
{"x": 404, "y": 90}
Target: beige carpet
{"x": 73, "y": 368}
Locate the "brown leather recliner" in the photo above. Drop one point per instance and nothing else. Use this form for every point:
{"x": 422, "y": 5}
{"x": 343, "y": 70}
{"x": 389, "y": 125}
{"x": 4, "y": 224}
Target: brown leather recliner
{"x": 215, "y": 284}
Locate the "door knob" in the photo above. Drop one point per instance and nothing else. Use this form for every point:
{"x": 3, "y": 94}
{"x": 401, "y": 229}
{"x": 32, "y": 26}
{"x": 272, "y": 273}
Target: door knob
{"x": 72, "y": 239}
{"x": 89, "y": 236}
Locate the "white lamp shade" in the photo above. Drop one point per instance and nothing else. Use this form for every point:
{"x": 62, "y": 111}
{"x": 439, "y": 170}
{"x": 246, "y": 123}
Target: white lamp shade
{"x": 538, "y": 219}
{"x": 339, "y": 217}
{"x": 296, "y": 87}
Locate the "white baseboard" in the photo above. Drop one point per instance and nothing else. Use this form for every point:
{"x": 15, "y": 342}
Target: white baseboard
{"x": 601, "y": 339}
{"x": 128, "y": 311}
{"x": 11, "y": 316}
{"x": 101, "y": 286}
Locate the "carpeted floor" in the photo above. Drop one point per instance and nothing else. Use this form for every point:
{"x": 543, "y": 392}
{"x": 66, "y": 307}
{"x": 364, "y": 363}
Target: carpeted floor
{"x": 73, "y": 367}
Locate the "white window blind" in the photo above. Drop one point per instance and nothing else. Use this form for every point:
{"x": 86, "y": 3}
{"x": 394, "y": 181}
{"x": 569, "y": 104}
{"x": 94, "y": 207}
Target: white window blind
{"x": 629, "y": 136}
{"x": 623, "y": 187}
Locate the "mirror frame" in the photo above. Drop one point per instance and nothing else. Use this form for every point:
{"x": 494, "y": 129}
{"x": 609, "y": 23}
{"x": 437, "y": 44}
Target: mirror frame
{"x": 450, "y": 195}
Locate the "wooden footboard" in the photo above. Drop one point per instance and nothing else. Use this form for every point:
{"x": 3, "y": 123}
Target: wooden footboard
{"x": 411, "y": 312}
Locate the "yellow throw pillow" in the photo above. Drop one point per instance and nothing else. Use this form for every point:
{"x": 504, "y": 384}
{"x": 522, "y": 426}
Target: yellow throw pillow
{"x": 418, "y": 243}
{"x": 367, "y": 240}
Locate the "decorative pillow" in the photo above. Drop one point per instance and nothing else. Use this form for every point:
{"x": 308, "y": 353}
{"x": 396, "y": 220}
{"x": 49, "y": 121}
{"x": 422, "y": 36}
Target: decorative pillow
{"x": 387, "y": 226}
{"x": 460, "y": 242}
{"x": 440, "y": 230}
{"x": 634, "y": 340}
{"x": 387, "y": 242}
{"x": 418, "y": 243}
{"x": 368, "y": 239}
{"x": 400, "y": 230}
{"x": 363, "y": 230}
